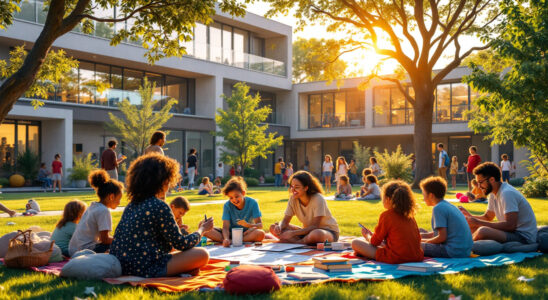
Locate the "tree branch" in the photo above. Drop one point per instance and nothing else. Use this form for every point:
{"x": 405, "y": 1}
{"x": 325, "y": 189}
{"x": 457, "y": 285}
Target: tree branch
{"x": 343, "y": 52}
{"x": 400, "y": 87}
{"x": 456, "y": 62}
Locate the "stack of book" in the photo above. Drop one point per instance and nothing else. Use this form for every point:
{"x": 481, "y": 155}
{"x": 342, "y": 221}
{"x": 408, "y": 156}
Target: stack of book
{"x": 424, "y": 267}
{"x": 332, "y": 264}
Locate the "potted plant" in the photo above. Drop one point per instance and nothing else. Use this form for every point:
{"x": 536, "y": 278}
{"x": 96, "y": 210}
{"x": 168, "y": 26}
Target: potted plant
{"x": 83, "y": 165}
{"x": 28, "y": 164}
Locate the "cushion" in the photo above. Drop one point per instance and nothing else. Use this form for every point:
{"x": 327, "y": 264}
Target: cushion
{"x": 486, "y": 247}
{"x": 104, "y": 266}
{"x": 464, "y": 199}
{"x": 542, "y": 239}
{"x": 247, "y": 279}
{"x": 511, "y": 247}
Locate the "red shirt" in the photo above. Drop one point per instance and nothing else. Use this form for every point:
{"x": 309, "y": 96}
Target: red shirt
{"x": 108, "y": 160}
{"x": 403, "y": 239}
{"x": 56, "y": 166}
{"x": 473, "y": 161}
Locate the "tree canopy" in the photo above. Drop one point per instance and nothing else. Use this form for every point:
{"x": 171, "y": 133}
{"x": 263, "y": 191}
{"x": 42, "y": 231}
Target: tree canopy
{"x": 318, "y": 60}
{"x": 516, "y": 103}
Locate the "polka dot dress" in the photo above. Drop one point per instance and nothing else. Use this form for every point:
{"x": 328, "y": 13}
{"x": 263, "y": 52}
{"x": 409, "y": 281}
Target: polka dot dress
{"x": 144, "y": 237}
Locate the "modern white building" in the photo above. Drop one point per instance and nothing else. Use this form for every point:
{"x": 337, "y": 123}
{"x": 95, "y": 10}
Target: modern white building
{"x": 314, "y": 118}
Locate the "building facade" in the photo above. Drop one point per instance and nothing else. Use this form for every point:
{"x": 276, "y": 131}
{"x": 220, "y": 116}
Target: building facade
{"x": 314, "y": 118}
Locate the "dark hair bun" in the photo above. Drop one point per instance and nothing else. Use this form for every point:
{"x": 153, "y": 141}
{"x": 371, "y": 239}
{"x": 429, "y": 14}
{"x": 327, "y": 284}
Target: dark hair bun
{"x": 98, "y": 178}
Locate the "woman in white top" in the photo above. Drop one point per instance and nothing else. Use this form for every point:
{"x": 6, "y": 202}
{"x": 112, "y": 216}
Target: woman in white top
{"x": 342, "y": 168}
{"x": 327, "y": 171}
{"x": 374, "y": 166}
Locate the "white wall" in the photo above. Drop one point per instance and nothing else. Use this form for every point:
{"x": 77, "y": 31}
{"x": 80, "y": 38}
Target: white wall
{"x": 92, "y": 138}
{"x": 519, "y": 155}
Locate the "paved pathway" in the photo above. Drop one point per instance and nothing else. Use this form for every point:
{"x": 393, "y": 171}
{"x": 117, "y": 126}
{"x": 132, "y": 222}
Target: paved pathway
{"x": 120, "y": 208}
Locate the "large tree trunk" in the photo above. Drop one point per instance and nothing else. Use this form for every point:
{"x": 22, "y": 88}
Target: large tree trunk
{"x": 422, "y": 139}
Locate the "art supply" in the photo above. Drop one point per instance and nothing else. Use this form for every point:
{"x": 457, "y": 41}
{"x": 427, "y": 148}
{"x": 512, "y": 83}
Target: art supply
{"x": 290, "y": 269}
{"x": 203, "y": 242}
{"x": 337, "y": 246}
{"x": 320, "y": 246}
{"x": 205, "y": 218}
{"x": 237, "y": 237}
{"x": 258, "y": 244}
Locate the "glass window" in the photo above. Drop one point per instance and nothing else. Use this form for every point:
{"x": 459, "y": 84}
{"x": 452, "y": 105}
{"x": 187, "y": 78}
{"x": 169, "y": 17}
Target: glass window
{"x": 410, "y": 110}
{"x": 227, "y": 44}
{"x": 21, "y": 138}
{"x": 133, "y": 79}
{"x": 207, "y": 154}
{"x": 175, "y": 148}
{"x": 328, "y": 110}
{"x": 457, "y": 113}
{"x": 355, "y": 108}
{"x": 42, "y": 12}
{"x": 382, "y": 106}
{"x": 257, "y": 46}
{"x": 215, "y": 43}
{"x": 314, "y": 156}
{"x": 87, "y": 83}
{"x": 102, "y": 77}
{"x": 398, "y": 99}
{"x": 315, "y": 111}
{"x": 443, "y": 103}
{"x": 241, "y": 47}
{"x": 459, "y": 94}
{"x": 268, "y": 99}
{"x": 33, "y": 142}
{"x": 28, "y": 11}
{"x": 176, "y": 88}
{"x": 7, "y": 144}
{"x": 398, "y": 116}
{"x": 200, "y": 41}
{"x": 340, "y": 110}
{"x": 68, "y": 87}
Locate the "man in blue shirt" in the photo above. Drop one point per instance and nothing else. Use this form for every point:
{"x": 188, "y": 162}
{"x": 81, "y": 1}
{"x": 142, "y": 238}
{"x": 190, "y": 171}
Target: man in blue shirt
{"x": 451, "y": 236}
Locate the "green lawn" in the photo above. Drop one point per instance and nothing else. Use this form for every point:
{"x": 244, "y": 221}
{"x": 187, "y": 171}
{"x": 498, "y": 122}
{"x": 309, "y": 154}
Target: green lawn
{"x": 490, "y": 283}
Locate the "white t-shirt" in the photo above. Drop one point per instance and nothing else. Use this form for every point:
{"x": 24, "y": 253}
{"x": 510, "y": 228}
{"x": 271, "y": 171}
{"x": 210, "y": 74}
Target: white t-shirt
{"x": 154, "y": 149}
{"x": 317, "y": 207}
{"x": 508, "y": 200}
{"x": 505, "y": 165}
{"x": 375, "y": 168}
{"x": 442, "y": 159}
{"x": 343, "y": 170}
{"x": 374, "y": 189}
{"x": 97, "y": 218}
{"x": 219, "y": 171}
{"x": 327, "y": 166}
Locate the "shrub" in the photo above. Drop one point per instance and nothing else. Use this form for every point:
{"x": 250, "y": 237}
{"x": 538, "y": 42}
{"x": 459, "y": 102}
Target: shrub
{"x": 4, "y": 181}
{"x": 517, "y": 181}
{"x": 83, "y": 165}
{"x": 537, "y": 187}
{"x": 251, "y": 181}
{"x": 225, "y": 179}
{"x": 269, "y": 179}
{"x": 395, "y": 165}
{"x": 249, "y": 172}
{"x": 361, "y": 155}
{"x": 28, "y": 164}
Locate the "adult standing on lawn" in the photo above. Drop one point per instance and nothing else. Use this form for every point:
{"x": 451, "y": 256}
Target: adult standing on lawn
{"x": 516, "y": 220}
{"x": 442, "y": 165}
{"x": 278, "y": 172}
{"x": 191, "y": 167}
{"x": 308, "y": 204}
{"x": 473, "y": 161}
{"x": 110, "y": 161}
{"x": 353, "y": 171}
{"x": 157, "y": 141}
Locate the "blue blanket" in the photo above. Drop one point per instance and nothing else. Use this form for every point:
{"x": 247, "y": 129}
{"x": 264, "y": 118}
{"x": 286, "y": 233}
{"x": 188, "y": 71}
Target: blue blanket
{"x": 372, "y": 270}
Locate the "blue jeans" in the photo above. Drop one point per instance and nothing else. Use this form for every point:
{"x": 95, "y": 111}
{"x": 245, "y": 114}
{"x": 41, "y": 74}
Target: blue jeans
{"x": 46, "y": 182}
{"x": 278, "y": 180}
{"x": 505, "y": 176}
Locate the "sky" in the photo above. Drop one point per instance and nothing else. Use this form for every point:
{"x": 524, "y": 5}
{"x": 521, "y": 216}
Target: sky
{"x": 361, "y": 62}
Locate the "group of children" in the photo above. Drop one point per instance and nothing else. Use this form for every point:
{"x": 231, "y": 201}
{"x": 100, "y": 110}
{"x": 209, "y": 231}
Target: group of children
{"x": 370, "y": 190}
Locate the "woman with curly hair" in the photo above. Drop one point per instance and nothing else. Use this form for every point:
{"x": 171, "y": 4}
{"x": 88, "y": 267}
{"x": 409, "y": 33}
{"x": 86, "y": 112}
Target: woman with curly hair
{"x": 147, "y": 231}
{"x": 308, "y": 204}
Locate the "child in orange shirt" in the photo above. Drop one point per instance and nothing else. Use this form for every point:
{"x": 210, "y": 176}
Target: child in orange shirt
{"x": 396, "y": 239}
{"x": 477, "y": 194}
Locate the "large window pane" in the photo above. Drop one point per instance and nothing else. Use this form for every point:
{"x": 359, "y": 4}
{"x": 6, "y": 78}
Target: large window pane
{"x": 227, "y": 44}
{"x": 382, "y": 106}
{"x": 459, "y": 94}
{"x": 457, "y": 113}
{"x": 175, "y": 148}
{"x": 314, "y": 156}
{"x": 7, "y": 145}
{"x": 340, "y": 110}
{"x": 328, "y": 110}
{"x": 398, "y": 99}
{"x": 116, "y": 94}
{"x": 355, "y": 108}
{"x": 34, "y": 139}
{"x": 176, "y": 88}
{"x": 21, "y": 138}
{"x": 68, "y": 87}
{"x": 133, "y": 79}
{"x": 200, "y": 41}
{"x": 87, "y": 83}
{"x": 410, "y": 111}
{"x": 257, "y": 46}
{"x": 207, "y": 155}
{"x": 158, "y": 81}
{"x": 28, "y": 11}
{"x": 102, "y": 78}
{"x": 443, "y": 103}
{"x": 268, "y": 99}
{"x": 241, "y": 46}
{"x": 215, "y": 43}
{"x": 398, "y": 116}
{"x": 315, "y": 111}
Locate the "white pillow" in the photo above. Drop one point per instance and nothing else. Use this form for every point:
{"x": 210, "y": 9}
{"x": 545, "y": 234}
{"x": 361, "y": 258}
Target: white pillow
{"x": 104, "y": 266}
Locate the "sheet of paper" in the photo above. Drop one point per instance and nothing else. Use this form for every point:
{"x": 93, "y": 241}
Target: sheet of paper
{"x": 278, "y": 247}
{"x": 220, "y": 252}
{"x": 298, "y": 251}
{"x": 272, "y": 258}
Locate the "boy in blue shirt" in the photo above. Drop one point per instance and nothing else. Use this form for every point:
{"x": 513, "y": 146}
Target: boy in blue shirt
{"x": 451, "y": 236}
{"x": 238, "y": 212}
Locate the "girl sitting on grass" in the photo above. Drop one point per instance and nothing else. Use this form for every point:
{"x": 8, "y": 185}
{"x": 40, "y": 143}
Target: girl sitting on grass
{"x": 93, "y": 231}
{"x": 372, "y": 192}
{"x": 396, "y": 238}
{"x": 205, "y": 188}
{"x": 147, "y": 231}
{"x": 65, "y": 227}
{"x": 344, "y": 190}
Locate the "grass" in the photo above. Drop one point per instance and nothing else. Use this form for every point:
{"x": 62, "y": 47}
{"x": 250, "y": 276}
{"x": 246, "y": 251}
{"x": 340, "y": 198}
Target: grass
{"x": 488, "y": 283}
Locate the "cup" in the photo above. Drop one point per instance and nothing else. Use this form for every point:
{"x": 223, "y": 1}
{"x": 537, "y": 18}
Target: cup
{"x": 237, "y": 237}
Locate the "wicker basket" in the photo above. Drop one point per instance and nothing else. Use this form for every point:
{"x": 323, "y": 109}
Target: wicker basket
{"x": 21, "y": 255}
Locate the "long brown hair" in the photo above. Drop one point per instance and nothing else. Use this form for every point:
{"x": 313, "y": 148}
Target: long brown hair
{"x": 344, "y": 162}
{"x": 401, "y": 197}
{"x": 73, "y": 211}
{"x": 307, "y": 180}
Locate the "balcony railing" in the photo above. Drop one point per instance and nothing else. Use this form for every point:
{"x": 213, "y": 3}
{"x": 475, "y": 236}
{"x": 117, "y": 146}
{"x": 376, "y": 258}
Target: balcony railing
{"x": 335, "y": 120}
{"x": 33, "y": 11}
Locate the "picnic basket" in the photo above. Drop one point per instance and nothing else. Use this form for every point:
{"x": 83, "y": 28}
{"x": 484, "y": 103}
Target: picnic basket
{"x": 21, "y": 254}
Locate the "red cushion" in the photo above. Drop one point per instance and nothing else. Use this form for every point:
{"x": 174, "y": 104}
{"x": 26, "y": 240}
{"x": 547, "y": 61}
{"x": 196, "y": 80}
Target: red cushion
{"x": 247, "y": 279}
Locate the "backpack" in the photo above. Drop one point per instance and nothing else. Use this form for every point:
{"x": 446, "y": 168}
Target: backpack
{"x": 447, "y": 161}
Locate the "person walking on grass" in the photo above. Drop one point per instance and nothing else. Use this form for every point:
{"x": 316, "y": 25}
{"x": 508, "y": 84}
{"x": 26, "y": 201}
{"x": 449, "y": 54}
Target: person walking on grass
{"x": 57, "y": 170}
{"x": 110, "y": 161}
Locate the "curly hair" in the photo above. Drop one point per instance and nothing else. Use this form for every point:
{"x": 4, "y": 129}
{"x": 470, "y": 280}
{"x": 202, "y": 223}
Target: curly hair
{"x": 307, "y": 180}
{"x": 148, "y": 174}
{"x": 104, "y": 185}
{"x": 401, "y": 197}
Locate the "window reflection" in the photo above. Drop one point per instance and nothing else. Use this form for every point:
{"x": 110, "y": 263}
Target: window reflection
{"x": 339, "y": 109}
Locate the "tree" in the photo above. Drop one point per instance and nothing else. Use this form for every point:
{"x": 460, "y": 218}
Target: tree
{"x": 161, "y": 26}
{"x": 419, "y": 34}
{"x": 140, "y": 121}
{"x": 361, "y": 155}
{"x": 317, "y": 60}
{"x": 244, "y": 138}
{"x": 516, "y": 107}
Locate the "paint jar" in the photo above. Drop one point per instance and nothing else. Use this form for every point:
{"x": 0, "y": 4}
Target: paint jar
{"x": 237, "y": 237}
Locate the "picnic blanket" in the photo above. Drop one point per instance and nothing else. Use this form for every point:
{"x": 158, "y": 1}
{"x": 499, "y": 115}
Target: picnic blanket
{"x": 457, "y": 200}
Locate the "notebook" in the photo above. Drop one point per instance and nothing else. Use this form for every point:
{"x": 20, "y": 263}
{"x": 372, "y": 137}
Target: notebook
{"x": 422, "y": 267}
{"x": 307, "y": 275}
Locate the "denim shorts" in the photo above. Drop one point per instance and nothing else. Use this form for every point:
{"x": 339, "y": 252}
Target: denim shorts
{"x": 327, "y": 174}
{"x": 435, "y": 250}
{"x": 515, "y": 237}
